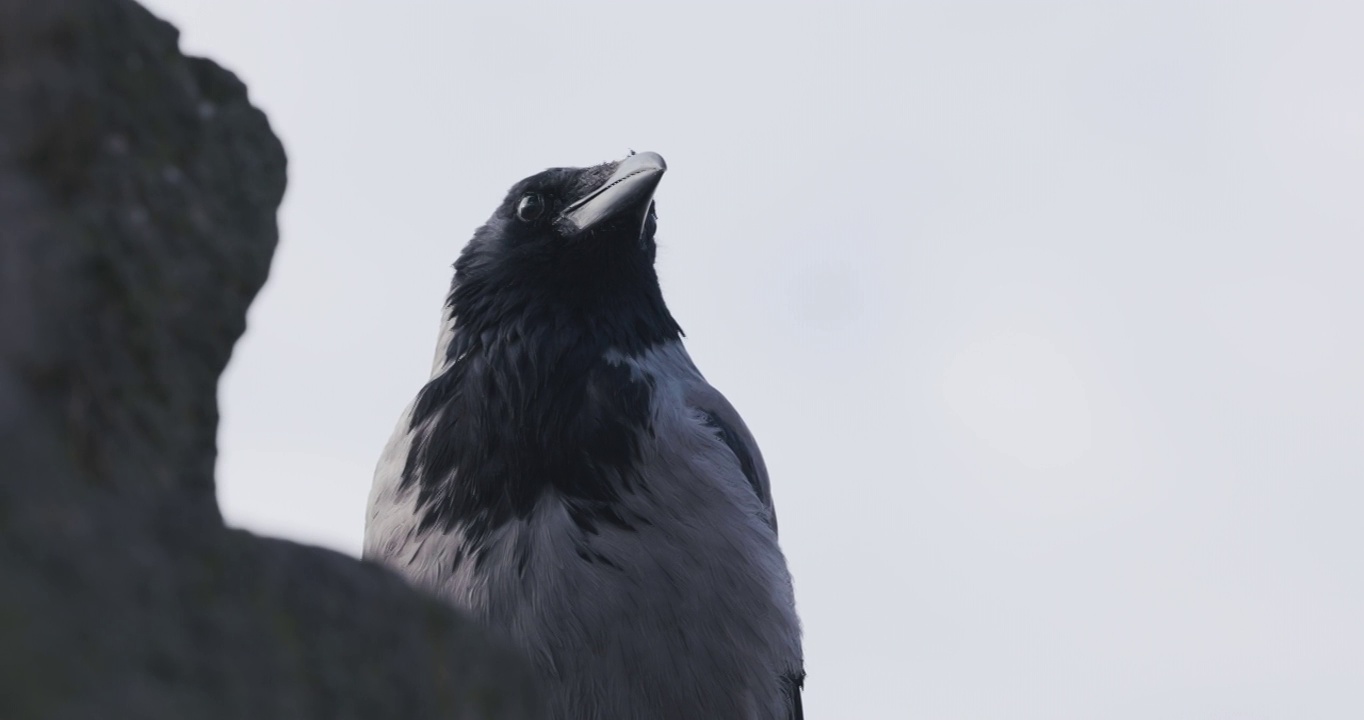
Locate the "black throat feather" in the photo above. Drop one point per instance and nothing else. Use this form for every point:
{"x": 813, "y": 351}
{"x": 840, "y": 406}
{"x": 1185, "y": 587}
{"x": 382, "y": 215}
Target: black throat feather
{"x": 528, "y": 402}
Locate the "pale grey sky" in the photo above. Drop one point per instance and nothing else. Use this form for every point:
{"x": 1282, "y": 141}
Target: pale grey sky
{"x": 1047, "y": 316}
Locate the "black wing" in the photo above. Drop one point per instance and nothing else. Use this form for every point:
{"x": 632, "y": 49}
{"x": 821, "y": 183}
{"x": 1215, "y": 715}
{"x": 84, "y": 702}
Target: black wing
{"x": 724, "y": 421}
{"x": 795, "y": 682}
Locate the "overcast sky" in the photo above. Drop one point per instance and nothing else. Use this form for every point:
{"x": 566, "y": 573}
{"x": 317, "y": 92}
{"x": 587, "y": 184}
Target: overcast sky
{"x": 1048, "y": 318}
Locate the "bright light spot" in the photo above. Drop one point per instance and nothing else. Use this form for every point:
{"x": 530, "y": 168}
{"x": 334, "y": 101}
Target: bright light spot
{"x": 1022, "y": 397}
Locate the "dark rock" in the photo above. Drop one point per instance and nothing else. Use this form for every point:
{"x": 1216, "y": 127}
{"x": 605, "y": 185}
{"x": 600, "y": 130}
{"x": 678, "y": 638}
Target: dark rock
{"x": 138, "y": 191}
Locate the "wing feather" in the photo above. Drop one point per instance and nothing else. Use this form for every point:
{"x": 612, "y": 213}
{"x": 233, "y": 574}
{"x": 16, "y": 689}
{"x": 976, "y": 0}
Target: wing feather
{"x": 721, "y": 417}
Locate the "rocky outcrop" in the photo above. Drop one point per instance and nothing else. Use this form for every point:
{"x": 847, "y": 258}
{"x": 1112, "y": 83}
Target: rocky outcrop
{"x": 138, "y": 191}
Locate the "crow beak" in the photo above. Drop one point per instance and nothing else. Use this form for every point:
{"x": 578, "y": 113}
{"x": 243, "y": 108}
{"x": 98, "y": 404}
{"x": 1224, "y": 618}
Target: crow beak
{"x": 626, "y": 195}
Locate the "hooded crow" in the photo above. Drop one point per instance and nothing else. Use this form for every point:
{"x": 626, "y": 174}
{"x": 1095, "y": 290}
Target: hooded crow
{"x": 569, "y": 479}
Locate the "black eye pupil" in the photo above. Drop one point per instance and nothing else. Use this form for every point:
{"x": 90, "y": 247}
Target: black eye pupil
{"x": 530, "y": 207}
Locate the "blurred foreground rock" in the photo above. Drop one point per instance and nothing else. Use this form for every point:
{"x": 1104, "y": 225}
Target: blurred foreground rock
{"x": 138, "y": 191}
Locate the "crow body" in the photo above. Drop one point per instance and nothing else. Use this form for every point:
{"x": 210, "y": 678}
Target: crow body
{"x": 569, "y": 478}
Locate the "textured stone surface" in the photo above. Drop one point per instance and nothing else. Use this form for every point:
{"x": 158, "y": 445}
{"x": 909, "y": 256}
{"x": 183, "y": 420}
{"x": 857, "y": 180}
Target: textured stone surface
{"x": 138, "y": 191}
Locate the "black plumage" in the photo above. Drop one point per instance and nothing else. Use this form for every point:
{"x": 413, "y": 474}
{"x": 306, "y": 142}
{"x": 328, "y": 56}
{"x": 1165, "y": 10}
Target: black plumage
{"x": 569, "y": 478}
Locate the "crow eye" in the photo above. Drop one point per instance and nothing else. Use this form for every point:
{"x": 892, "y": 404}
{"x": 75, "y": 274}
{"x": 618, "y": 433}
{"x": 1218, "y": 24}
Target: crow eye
{"x": 531, "y": 207}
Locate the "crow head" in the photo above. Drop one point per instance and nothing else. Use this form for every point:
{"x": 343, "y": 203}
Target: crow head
{"x": 570, "y": 250}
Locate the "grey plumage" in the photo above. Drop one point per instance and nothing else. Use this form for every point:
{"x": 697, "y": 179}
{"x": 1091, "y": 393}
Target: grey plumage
{"x": 570, "y": 479}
